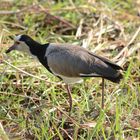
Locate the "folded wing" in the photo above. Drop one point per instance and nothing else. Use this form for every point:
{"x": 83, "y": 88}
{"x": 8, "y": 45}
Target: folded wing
{"x": 75, "y": 61}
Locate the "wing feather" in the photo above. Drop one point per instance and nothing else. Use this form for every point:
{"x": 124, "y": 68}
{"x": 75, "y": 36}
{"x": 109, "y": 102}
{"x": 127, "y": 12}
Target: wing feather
{"x": 69, "y": 62}
{"x": 75, "y": 61}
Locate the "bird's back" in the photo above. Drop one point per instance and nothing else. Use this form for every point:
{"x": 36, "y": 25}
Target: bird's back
{"x": 75, "y": 61}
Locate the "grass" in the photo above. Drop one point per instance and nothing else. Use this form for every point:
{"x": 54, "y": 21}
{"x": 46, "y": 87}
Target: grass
{"x": 32, "y": 103}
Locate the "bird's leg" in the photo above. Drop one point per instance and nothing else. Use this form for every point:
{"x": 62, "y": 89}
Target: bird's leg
{"x": 103, "y": 85}
{"x": 70, "y": 97}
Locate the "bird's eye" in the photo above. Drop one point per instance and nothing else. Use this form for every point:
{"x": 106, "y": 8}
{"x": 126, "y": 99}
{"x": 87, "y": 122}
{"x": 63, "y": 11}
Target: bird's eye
{"x": 17, "y": 42}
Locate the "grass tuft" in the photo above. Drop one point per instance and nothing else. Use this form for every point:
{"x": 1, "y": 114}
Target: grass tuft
{"x": 34, "y": 103}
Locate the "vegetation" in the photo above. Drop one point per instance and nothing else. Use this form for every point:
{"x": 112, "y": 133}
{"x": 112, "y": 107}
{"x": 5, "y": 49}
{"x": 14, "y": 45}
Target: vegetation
{"x": 34, "y": 103}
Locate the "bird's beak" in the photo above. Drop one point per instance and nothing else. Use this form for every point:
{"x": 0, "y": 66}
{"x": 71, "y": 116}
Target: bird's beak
{"x": 13, "y": 47}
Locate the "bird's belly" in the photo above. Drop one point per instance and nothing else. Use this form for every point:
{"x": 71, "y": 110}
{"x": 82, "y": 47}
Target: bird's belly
{"x": 68, "y": 80}
{"x": 71, "y": 80}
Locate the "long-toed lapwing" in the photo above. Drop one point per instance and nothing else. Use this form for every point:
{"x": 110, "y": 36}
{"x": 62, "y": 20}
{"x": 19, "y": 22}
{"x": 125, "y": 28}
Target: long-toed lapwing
{"x": 69, "y": 62}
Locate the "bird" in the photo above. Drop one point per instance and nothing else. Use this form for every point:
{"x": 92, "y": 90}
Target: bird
{"x": 70, "y": 63}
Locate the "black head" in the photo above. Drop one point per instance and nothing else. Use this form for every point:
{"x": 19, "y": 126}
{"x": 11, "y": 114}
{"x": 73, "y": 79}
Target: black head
{"x": 23, "y": 43}
{"x": 25, "y": 38}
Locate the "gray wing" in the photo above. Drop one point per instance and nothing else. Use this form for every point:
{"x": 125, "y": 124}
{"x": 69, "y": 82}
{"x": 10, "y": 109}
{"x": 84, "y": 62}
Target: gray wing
{"x": 75, "y": 61}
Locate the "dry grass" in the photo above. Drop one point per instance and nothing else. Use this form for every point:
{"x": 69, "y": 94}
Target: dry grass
{"x": 33, "y": 103}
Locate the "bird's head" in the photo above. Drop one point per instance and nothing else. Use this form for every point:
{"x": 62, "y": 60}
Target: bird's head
{"x": 22, "y": 43}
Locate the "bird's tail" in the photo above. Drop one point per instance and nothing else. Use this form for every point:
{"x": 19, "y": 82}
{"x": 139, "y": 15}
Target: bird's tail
{"x": 117, "y": 78}
{"x": 110, "y": 71}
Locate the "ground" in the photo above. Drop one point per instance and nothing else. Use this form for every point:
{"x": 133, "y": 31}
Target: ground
{"x": 34, "y": 103}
